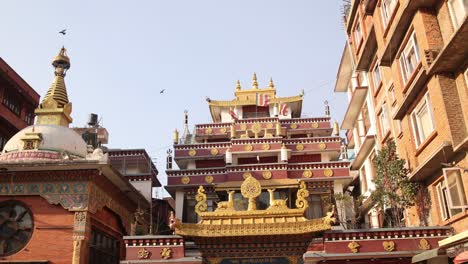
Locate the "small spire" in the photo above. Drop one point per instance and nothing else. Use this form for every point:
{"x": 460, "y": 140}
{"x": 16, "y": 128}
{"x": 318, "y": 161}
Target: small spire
{"x": 271, "y": 85}
{"x": 238, "y": 86}
{"x": 336, "y": 129}
{"x": 327, "y": 109}
{"x": 254, "y": 81}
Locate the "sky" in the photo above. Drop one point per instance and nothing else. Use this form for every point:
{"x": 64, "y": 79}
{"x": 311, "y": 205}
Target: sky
{"x": 124, "y": 52}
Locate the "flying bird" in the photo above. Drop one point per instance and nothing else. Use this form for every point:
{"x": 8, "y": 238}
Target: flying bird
{"x": 63, "y": 32}
{"x": 162, "y": 91}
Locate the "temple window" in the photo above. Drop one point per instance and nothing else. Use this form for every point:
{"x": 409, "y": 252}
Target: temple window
{"x": 315, "y": 209}
{"x": 104, "y": 248}
{"x": 16, "y": 226}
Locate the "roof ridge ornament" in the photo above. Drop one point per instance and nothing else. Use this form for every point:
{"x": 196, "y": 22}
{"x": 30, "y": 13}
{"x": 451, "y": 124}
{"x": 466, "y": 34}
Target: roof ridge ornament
{"x": 254, "y": 81}
{"x": 270, "y": 84}
{"x": 238, "y": 86}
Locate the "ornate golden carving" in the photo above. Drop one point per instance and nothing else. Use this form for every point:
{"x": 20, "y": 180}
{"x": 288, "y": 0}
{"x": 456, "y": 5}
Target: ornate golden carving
{"x": 299, "y": 147}
{"x": 256, "y": 128}
{"x": 266, "y": 146}
{"x": 302, "y": 194}
{"x": 243, "y": 126}
{"x": 315, "y": 125}
{"x": 251, "y": 189}
{"x": 209, "y": 130}
{"x": 329, "y": 219}
{"x": 214, "y": 151}
{"x": 424, "y": 244}
{"x": 200, "y": 197}
{"x": 166, "y": 253}
{"x": 222, "y": 130}
{"x": 143, "y": 254}
{"x": 293, "y": 125}
{"x": 322, "y": 146}
{"x": 307, "y": 174}
{"x": 328, "y": 172}
{"x": 269, "y": 125}
{"x": 192, "y": 152}
{"x": 185, "y": 180}
{"x": 248, "y": 147}
{"x": 246, "y": 175}
{"x": 276, "y": 204}
{"x": 389, "y": 245}
{"x": 227, "y": 205}
{"x": 209, "y": 179}
{"x": 267, "y": 175}
{"x": 354, "y": 246}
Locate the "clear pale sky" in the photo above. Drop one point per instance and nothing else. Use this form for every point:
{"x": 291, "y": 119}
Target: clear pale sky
{"x": 124, "y": 52}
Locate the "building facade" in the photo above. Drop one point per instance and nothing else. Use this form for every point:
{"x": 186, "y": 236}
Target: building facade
{"x": 17, "y": 103}
{"x": 60, "y": 201}
{"x": 404, "y": 67}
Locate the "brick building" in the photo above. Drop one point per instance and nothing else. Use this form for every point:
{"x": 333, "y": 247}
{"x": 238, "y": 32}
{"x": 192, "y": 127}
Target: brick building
{"x": 17, "y": 103}
{"x": 404, "y": 67}
{"x": 60, "y": 201}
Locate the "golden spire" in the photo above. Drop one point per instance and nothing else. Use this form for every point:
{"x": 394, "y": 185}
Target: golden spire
{"x": 55, "y": 109}
{"x": 238, "y": 86}
{"x": 336, "y": 129}
{"x": 254, "y": 81}
{"x": 271, "y": 85}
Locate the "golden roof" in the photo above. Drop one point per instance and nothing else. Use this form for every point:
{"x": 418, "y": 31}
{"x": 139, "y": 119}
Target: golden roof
{"x": 278, "y": 219}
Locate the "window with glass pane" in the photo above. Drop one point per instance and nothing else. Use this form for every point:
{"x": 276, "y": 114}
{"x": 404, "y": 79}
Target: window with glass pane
{"x": 454, "y": 185}
{"x": 388, "y": 6}
{"x": 376, "y": 77}
{"x": 422, "y": 120}
{"x": 409, "y": 58}
{"x": 383, "y": 117}
{"x": 357, "y": 33}
{"x": 458, "y": 12}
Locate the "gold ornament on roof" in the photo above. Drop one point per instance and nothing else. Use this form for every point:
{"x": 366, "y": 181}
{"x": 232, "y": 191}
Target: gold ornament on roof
{"x": 299, "y": 147}
{"x": 166, "y": 253}
{"x": 185, "y": 180}
{"x": 227, "y": 205}
{"x": 424, "y": 244}
{"x": 269, "y": 125}
{"x": 322, "y": 146}
{"x": 246, "y": 175}
{"x": 329, "y": 219}
{"x": 307, "y": 174}
{"x": 243, "y": 126}
{"x": 192, "y": 152}
{"x": 270, "y": 84}
{"x": 222, "y": 130}
{"x": 238, "y": 86}
{"x": 267, "y": 175}
{"x": 354, "y": 246}
{"x": 200, "y": 197}
{"x": 143, "y": 253}
{"x": 209, "y": 179}
{"x": 302, "y": 195}
{"x": 389, "y": 246}
{"x": 214, "y": 151}
{"x": 248, "y": 147}
{"x": 251, "y": 189}
{"x": 293, "y": 125}
{"x": 315, "y": 125}
{"x": 276, "y": 204}
{"x": 328, "y": 172}
{"x": 266, "y": 146}
{"x": 209, "y": 130}
{"x": 254, "y": 81}
{"x": 256, "y": 128}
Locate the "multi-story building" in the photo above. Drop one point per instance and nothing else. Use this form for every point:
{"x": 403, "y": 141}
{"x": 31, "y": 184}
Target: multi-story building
{"x": 404, "y": 67}
{"x": 17, "y": 103}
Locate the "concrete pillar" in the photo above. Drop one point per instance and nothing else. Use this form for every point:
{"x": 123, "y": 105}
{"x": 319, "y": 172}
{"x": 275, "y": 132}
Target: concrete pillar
{"x": 179, "y": 206}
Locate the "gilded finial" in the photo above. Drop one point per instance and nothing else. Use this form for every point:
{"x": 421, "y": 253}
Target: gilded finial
{"x": 254, "y": 81}
{"x": 271, "y": 85}
{"x": 336, "y": 129}
{"x": 238, "y": 86}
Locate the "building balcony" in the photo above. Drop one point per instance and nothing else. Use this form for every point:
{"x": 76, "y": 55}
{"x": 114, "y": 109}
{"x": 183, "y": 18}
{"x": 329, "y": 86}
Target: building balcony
{"x": 354, "y": 107}
{"x": 200, "y": 151}
{"x": 367, "y": 51}
{"x": 433, "y": 163}
{"x": 314, "y": 144}
{"x": 399, "y": 28}
{"x": 345, "y": 71}
{"x": 452, "y": 56}
{"x": 414, "y": 85}
{"x": 366, "y": 147}
{"x": 378, "y": 243}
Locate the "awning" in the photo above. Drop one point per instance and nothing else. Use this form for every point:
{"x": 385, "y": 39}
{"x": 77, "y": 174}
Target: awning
{"x": 429, "y": 254}
{"x": 461, "y": 258}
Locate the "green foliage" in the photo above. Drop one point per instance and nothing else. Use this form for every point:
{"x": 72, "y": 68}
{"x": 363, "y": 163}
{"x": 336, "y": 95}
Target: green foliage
{"x": 393, "y": 188}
